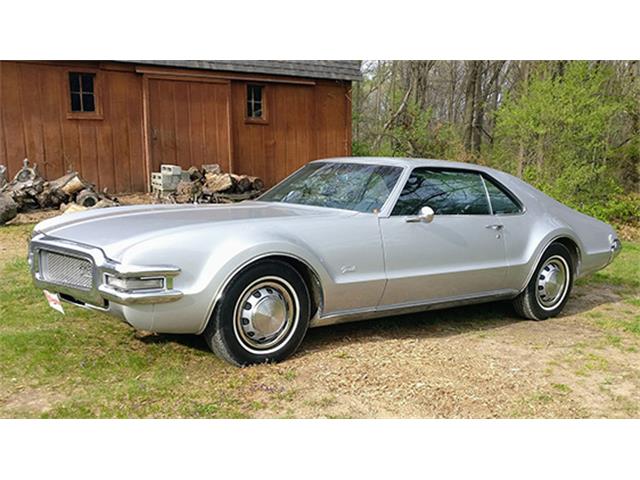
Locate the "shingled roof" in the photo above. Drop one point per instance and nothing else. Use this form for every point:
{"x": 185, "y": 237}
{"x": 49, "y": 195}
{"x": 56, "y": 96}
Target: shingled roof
{"x": 330, "y": 69}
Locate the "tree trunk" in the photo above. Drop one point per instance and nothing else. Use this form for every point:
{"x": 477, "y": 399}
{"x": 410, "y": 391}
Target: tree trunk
{"x": 478, "y": 117}
{"x": 492, "y": 96}
{"x": 632, "y": 172}
{"x": 453, "y": 79}
{"x": 521, "y": 149}
{"x": 469, "y": 105}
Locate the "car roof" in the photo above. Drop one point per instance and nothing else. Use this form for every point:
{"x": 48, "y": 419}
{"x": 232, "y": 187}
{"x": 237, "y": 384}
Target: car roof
{"x": 405, "y": 162}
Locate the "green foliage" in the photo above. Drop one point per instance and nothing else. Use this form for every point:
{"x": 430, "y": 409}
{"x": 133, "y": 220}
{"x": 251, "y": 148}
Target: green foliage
{"x": 568, "y": 128}
{"x": 360, "y": 149}
{"x": 557, "y": 134}
{"x": 419, "y": 136}
{"x": 415, "y": 135}
{"x": 617, "y": 209}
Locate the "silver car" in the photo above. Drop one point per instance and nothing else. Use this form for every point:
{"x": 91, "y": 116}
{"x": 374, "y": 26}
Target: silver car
{"x": 339, "y": 240}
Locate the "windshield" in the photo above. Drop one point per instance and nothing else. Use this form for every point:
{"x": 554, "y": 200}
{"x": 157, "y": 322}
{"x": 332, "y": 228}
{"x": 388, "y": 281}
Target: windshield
{"x": 349, "y": 186}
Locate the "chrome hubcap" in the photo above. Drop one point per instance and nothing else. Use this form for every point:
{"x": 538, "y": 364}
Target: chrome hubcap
{"x": 265, "y": 314}
{"x": 553, "y": 280}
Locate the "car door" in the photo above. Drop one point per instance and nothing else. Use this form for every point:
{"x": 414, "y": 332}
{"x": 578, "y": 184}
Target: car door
{"x": 461, "y": 253}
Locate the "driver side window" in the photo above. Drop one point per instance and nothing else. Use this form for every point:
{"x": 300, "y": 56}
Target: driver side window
{"x": 447, "y": 192}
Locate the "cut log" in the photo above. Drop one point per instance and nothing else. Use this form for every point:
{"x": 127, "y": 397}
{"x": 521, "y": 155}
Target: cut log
{"x": 234, "y": 197}
{"x": 51, "y": 197}
{"x": 256, "y": 183}
{"x": 187, "y": 192}
{"x": 211, "y": 168}
{"x": 188, "y": 188}
{"x": 25, "y": 198}
{"x": 242, "y": 183}
{"x": 3, "y": 176}
{"x": 26, "y": 173}
{"x": 87, "y": 198}
{"x": 8, "y": 208}
{"x": 74, "y": 185}
{"x": 195, "y": 174}
{"x": 107, "y": 196}
{"x": 62, "y": 181}
{"x": 219, "y": 182}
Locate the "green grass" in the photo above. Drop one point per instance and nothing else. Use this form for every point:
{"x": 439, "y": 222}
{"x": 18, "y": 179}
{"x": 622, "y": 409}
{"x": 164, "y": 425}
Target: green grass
{"x": 561, "y": 387}
{"x": 624, "y": 271}
{"x": 87, "y": 364}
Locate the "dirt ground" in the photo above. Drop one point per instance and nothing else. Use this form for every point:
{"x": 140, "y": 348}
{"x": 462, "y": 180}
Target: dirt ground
{"x": 471, "y": 362}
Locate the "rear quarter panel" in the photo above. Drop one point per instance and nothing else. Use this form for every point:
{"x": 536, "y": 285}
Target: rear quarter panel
{"x": 545, "y": 219}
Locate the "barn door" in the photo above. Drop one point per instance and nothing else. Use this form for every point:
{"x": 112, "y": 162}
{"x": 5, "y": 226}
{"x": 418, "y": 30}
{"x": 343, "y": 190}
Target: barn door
{"x": 188, "y": 123}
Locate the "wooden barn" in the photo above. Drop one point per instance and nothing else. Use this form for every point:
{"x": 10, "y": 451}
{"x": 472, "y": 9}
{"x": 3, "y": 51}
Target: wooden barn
{"x": 116, "y": 122}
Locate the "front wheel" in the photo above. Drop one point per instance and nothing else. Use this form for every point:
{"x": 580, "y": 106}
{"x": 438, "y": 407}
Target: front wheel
{"x": 548, "y": 290}
{"x": 262, "y": 317}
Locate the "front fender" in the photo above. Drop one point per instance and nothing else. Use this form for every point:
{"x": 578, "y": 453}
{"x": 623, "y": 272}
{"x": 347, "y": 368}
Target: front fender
{"x": 240, "y": 259}
{"x": 209, "y": 260}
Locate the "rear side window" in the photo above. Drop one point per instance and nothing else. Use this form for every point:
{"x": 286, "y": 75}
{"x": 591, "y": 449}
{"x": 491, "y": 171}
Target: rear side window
{"x": 501, "y": 201}
{"x": 447, "y": 192}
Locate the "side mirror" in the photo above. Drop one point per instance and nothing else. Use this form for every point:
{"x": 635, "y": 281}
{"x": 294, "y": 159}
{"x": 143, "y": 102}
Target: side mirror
{"x": 425, "y": 216}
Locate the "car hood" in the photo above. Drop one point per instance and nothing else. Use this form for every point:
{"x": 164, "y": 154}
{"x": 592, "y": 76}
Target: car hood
{"x": 115, "y": 229}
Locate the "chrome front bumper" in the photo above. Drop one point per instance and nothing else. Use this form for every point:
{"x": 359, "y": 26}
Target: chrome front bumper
{"x": 99, "y": 293}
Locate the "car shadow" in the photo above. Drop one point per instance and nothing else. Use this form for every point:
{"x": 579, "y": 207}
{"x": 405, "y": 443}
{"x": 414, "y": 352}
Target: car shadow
{"x": 433, "y": 323}
{"x": 451, "y": 321}
{"x": 195, "y": 342}
{"x": 437, "y": 323}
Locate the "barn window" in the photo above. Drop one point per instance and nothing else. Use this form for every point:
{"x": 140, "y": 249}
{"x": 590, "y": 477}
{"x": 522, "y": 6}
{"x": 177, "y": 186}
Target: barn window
{"x": 255, "y": 102}
{"x": 82, "y": 91}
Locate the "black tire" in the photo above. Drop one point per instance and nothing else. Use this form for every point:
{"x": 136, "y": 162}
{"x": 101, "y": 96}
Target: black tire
{"x": 531, "y": 302}
{"x": 230, "y": 337}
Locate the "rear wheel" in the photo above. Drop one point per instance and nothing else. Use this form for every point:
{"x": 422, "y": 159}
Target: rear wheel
{"x": 549, "y": 288}
{"x": 262, "y": 317}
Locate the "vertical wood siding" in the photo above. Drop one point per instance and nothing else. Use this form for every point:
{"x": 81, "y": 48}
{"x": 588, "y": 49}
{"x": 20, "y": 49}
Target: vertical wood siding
{"x": 333, "y": 120}
{"x": 304, "y": 123}
{"x": 34, "y": 125}
{"x": 189, "y": 123}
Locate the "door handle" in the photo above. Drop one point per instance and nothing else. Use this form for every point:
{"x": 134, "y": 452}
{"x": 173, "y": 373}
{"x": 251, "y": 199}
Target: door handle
{"x": 495, "y": 227}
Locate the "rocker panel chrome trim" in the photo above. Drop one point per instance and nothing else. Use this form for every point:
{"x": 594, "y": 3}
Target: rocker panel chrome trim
{"x": 388, "y": 310}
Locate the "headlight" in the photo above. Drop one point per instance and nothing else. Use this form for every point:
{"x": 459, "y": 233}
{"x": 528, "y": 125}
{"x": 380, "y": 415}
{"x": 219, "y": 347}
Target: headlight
{"x": 136, "y": 283}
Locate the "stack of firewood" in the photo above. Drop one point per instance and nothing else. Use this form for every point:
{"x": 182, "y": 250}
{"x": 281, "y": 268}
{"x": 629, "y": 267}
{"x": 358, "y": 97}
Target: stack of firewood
{"x": 209, "y": 184}
{"x": 30, "y": 191}
{"x": 3, "y": 176}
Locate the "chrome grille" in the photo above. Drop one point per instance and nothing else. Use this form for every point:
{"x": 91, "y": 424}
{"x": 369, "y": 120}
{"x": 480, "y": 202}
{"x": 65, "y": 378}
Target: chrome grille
{"x": 66, "y": 270}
